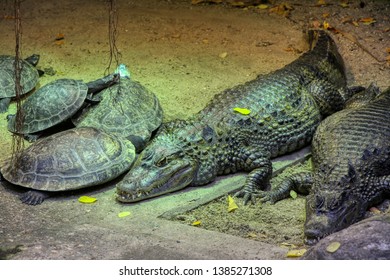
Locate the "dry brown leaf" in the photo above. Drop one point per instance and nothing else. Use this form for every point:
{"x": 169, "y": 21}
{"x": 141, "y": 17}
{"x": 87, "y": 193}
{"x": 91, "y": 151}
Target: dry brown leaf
{"x": 368, "y": 20}
{"x": 283, "y": 9}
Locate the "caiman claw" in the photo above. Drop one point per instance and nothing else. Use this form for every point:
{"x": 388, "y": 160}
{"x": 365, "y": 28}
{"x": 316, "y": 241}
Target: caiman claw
{"x": 247, "y": 195}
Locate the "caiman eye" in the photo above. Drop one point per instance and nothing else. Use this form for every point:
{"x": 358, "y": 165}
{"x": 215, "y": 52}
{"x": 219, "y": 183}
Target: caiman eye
{"x": 162, "y": 162}
{"x": 335, "y": 205}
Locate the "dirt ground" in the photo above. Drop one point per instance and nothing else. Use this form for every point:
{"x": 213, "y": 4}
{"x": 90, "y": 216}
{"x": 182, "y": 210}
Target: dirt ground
{"x": 185, "y": 53}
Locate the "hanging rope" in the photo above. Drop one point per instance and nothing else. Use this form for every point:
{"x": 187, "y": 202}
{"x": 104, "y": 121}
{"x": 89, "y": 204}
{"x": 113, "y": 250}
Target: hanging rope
{"x": 17, "y": 139}
{"x": 112, "y": 35}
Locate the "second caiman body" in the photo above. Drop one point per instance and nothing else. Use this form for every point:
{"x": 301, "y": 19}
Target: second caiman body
{"x": 285, "y": 107}
{"x": 350, "y": 166}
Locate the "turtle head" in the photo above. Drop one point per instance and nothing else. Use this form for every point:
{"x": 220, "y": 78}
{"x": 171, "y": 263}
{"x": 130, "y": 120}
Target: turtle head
{"x": 123, "y": 71}
{"x": 173, "y": 160}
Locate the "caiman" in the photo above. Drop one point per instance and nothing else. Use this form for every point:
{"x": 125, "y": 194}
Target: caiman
{"x": 350, "y": 167}
{"x": 242, "y": 128}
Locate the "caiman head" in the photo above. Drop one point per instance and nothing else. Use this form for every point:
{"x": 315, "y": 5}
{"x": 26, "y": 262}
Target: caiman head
{"x": 177, "y": 157}
{"x": 333, "y": 206}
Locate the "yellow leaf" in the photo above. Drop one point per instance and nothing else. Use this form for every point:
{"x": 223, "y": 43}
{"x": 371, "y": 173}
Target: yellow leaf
{"x": 367, "y": 21}
{"x": 296, "y": 253}
{"x": 293, "y": 194}
{"x": 238, "y": 4}
{"x": 326, "y": 25}
{"x": 231, "y": 204}
{"x": 242, "y": 111}
{"x": 333, "y": 247}
{"x": 196, "y": 223}
{"x": 262, "y": 6}
{"x": 124, "y": 214}
{"x": 223, "y": 55}
{"x": 87, "y": 199}
{"x": 252, "y": 235}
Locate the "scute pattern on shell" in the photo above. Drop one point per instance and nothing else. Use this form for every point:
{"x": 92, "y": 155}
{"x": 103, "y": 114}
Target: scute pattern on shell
{"x": 50, "y": 105}
{"x": 71, "y": 159}
{"x": 127, "y": 109}
{"x": 29, "y": 76}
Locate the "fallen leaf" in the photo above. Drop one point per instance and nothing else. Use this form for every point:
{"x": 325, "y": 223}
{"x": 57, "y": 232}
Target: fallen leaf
{"x": 388, "y": 50}
{"x": 251, "y": 235}
{"x": 295, "y": 253}
{"x": 196, "y": 223}
{"x": 333, "y": 247}
{"x": 367, "y": 21}
{"x": 262, "y": 6}
{"x": 223, "y": 55}
{"x": 60, "y": 36}
{"x": 321, "y": 3}
{"x": 59, "y": 43}
{"x": 326, "y": 25}
{"x": 283, "y": 9}
{"x": 242, "y": 111}
{"x": 87, "y": 199}
{"x": 325, "y": 15}
{"x": 124, "y": 214}
{"x": 375, "y": 210}
{"x": 238, "y": 4}
{"x": 231, "y": 204}
{"x": 293, "y": 194}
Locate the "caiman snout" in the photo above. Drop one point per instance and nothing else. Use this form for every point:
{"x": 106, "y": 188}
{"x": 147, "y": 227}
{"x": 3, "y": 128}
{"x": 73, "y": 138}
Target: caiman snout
{"x": 316, "y": 228}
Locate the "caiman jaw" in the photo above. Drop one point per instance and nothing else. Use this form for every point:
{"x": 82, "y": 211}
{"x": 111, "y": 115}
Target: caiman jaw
{"x": 159, "y": 181}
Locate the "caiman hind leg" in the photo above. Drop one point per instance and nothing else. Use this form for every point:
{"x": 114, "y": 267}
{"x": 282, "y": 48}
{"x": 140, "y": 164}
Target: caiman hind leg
{"x": 298, "y": 182}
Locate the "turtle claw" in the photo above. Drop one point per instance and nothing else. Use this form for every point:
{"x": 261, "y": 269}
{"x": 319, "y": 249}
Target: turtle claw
{"x": 33, "y": 197}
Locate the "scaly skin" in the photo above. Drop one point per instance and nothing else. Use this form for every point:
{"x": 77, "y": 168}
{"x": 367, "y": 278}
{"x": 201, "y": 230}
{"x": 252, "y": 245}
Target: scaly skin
{"x": 351, "y": 167}
{"x": 285, "y": 108}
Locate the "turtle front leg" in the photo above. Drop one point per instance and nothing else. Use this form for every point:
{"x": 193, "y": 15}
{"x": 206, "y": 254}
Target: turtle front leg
{"x": 258, "y": 179}
{"x": 4, "y": 103}
{"x": 34, "y": 197}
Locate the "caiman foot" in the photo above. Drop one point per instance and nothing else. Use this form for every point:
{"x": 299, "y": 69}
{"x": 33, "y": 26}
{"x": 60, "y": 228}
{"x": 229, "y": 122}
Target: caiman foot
{"x": 249, "y": 193}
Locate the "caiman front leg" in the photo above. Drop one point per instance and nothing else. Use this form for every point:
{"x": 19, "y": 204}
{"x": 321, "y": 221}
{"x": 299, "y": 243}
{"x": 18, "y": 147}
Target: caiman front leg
{"x": 258, "y": 179}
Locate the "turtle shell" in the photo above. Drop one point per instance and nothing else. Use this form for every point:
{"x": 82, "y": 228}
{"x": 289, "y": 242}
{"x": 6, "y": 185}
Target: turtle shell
{"x": 127, "y": 109}
{"x": 28, "y": 78}
{"x": 50, "y": 105}
{"x": 71, "y": 159}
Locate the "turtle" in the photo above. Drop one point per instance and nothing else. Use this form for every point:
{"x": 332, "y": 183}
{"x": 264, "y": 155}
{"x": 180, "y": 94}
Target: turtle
{"x": 68, "y": 160}
{"x": 54, "y": 103}
{"x": 127, "y": 109}
{"x": 29, "y": 77}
